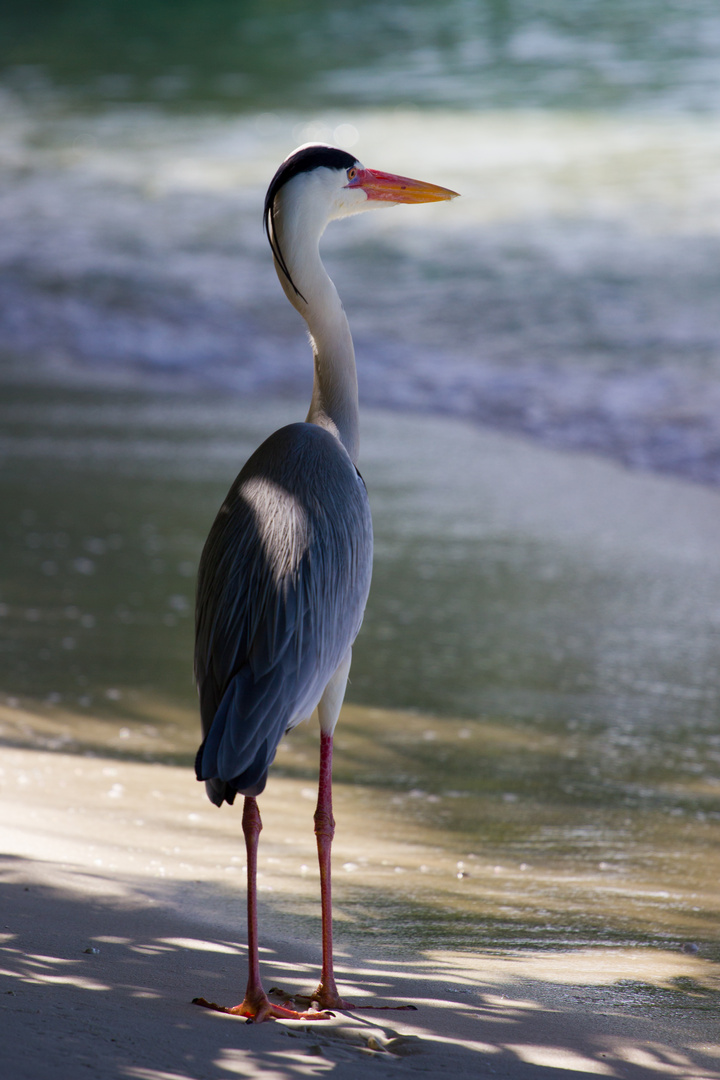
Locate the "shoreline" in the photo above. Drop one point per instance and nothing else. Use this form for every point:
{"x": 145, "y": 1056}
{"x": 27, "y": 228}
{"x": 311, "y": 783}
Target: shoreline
{"x": 47, "y": 370}
{"x": 525, "y": 858}
{"x": 124, "y": 899}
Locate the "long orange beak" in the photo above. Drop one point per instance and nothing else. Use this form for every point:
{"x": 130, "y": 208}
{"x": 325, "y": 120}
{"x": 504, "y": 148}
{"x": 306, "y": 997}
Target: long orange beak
{"x": 385, "y": 187}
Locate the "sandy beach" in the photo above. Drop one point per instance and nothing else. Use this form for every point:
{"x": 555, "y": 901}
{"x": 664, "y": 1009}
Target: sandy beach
{"x": 122, "y": 900}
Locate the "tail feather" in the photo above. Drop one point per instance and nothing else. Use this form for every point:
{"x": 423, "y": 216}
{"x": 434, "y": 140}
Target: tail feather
{"x": 241, "y": 744}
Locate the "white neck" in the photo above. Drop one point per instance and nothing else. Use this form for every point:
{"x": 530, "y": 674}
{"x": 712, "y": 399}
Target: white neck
{"x": 334, "y": 403}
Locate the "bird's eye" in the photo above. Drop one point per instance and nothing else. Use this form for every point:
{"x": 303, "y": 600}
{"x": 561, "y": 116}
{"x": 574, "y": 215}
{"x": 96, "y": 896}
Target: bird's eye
{"x": 352, "y": 173}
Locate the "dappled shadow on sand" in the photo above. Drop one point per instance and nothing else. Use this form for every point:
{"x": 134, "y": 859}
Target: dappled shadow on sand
{"x": 98, "y": 975}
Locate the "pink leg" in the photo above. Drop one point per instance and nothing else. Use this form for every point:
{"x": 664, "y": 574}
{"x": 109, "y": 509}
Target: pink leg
{"x": 327, "y": 993}
{"x": 256, "y": 1005}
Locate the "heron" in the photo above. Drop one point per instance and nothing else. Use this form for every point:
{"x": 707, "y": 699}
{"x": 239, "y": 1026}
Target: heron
{"x": 285, "y": 572}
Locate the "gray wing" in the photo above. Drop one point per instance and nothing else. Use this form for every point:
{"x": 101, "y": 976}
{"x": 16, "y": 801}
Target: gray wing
{"x": 282, "y": 587}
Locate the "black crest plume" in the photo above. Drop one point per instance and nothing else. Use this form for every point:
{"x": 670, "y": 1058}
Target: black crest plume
{"x": 307, "y": 158}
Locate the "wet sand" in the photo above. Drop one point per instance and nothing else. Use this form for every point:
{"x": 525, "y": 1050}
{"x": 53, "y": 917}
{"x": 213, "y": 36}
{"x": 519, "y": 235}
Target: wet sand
{"x": 123, "y": 900}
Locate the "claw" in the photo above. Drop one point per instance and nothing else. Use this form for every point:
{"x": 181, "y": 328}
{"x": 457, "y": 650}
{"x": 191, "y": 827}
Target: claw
{"x": 258, "y": 1010}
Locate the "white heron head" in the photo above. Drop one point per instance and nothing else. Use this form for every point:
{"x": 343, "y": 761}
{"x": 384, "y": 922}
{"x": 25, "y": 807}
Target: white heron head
{"x": 318, "y": 184}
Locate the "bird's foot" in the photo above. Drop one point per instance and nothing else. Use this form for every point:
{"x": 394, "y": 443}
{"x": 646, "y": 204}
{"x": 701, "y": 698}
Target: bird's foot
{"x": 327, "y": 997}
{"x": 257, "y": 1008}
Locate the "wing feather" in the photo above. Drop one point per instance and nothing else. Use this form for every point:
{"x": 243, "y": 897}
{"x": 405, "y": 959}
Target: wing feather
{"x": 282, "y": 587}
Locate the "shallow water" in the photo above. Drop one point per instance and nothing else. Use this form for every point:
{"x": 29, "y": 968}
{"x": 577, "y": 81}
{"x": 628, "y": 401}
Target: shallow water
{"x": 548, "y": 624}
{"x": 504, "y": 577}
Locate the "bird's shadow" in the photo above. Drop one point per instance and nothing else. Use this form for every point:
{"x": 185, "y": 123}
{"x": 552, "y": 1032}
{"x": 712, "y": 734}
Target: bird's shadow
{"x": 100, "y": 972}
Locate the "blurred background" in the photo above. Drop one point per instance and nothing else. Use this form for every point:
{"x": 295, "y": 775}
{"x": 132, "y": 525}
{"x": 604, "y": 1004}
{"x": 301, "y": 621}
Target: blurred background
{"x": 570, "y": 298}
{"x": 571, "y": 295}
